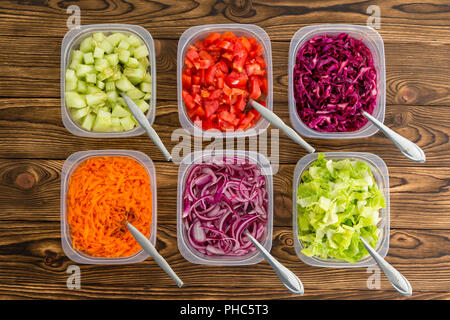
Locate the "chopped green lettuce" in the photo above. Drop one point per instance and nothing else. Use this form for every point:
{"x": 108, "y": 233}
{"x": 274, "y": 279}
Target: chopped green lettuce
{"x": 338, "y": 202}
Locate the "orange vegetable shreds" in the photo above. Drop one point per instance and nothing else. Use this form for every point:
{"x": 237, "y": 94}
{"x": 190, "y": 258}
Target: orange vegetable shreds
{"x": 104, "y": 193}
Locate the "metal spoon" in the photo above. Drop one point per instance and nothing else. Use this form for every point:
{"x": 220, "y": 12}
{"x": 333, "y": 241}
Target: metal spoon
{"x": 278, "y": 123}
{"x": 397, "y": 280}
{"x": 150, "y": 249}
{"x": 408, "y": 148}
{"x": 289, "y": 279}
{"x": 143, "y": 121}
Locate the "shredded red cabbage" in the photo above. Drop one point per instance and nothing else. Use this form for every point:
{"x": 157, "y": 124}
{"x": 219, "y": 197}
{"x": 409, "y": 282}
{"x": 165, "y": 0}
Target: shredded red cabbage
{"x": 334, "y": 81}
{"x": 221, "y": 200}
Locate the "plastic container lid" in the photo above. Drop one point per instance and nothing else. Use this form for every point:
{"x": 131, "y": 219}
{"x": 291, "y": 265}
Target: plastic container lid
{"x": 71, "y": 41}
{"x": 381, "y": 176}
{"x": 374, "y": 42}
{"x": 197, "y": 33}
{"x": 193, "y": 255}
{"x": 71, "y": 163}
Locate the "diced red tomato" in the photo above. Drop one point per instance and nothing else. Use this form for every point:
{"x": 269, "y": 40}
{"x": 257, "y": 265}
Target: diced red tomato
{"x": 219, "y": 75}
{"x": 255, "y": 90}
{"x": 211, "y": 38}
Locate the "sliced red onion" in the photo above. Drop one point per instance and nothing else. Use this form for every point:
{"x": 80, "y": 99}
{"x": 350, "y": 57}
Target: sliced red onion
{"x": 221, "y": 200}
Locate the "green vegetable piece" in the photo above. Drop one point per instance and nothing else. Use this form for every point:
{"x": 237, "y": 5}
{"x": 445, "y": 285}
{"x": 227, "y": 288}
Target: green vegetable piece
{"x": 88, "y": 121}
{"x": 88, "y": 58}
{"x": 77, "y": 114}
{"x": 106, "y": 45}
{"x": 124, "y": 44}
{"x": 112, "y": 96}
{"x": 144, "y": 106}
{"x": 100, "y": 84}
{"x": 98, "y": 36}
{"x": 146, "y": 87}
{"x": 71, "y": 80}
{"x": 141, "y": 52}
{"x": 96, "y": 98}
{"x": 123, "y": 84}
{"x": 110, "y": 86}
{"x": 98, "y": 53}
{"x": 74, "y": 100}
{"x": 83, "y": 69}
{"x": 87, "y": 44}
{"x": 101, "y": 64}
{"x": 124, "y": 55}
{"x": 134, "y": 75}
{"x": 113, "y": 59}
{"x": 127, "y": 123}
{"x": 102, "y": 121}
{"x": 115, "y": 38}
{"x": 135, "y": 93}
{"x": 132, "y": 63}
{"x": 119, "y": 111}
{"x": 134, "y": 40}
{"x": 91, "y": 78}
{"x": 81, "y": 86}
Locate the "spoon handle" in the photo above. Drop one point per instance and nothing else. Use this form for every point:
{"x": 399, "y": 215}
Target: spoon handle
{"x": 150, "y": 249}
{"x": 143, "y": 121}
{"x": 289, "y": 279}
{"x": 398, "y": 281}
{"x": 278, "y": 123}
{"x": 407, "y": 147}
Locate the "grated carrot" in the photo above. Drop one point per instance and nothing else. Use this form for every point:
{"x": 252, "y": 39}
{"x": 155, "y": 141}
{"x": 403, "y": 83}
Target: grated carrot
{"x": 104, "y": 193}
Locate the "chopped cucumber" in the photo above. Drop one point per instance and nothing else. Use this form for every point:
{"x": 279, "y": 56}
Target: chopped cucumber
{"x": 91, "y": 78}
{"x": 88, "y": 122}
{"x": 71, "y": 80}
{"x": 127, "y": 123}
{"x": 134, "y": 75}
{"x": 113, "y": 59}
{"x": 96, "y": 98}
{"x": 141, "y": 52}
{"x": 123, "y": 84}
{"x": 110, "y": 86}
{"x": 134, "y": 40}
{"x": 144, "y": 106}
{"x": 135, "y": 94}
{"x": 88, "y": 58}
{"x": 87, "y": 44}
{"x": 106, "y": 45}
{"x": 74, "y": 100}
{"x": 102, "y": 121}
{"x": 104, "y": 66}
{"x": 98, "y": 53}
{"x": 146, "y": 87}
{"x": 119, "y": 111}
{"x": 98, "y": 36}
{"x": 77, "y": 114}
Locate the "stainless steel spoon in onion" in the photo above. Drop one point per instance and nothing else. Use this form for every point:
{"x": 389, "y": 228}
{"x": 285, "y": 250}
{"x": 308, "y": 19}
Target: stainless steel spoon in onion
{"x": 289, "y": 279}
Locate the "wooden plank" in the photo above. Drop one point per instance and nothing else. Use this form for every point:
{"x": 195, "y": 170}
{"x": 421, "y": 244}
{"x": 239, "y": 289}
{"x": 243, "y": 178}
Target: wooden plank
{"x": 419, "y": 196}
{"x": 32, "y": 128}
{"x": 415, "y": 71}
{"x": 400, "y": 21}
{"x": 32, "y": 259}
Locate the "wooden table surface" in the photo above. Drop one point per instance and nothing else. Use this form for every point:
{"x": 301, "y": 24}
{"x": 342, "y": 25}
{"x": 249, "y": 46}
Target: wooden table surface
{"x": 34, "y": 145}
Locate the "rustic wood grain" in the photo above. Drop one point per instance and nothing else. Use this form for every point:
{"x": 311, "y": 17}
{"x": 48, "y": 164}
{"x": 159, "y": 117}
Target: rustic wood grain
{"x": 34, "y": 144}
{"x": 401, "y": 21}
{"x": 33, "y": 254}
{"x": 419, "y": 196}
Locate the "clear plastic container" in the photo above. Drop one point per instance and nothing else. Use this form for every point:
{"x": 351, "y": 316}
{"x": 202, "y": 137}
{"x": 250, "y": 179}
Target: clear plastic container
{"x": 72, "y": 41}
{"x": 71, "y": 163}
{"x": 374, "y": 42}
{"x": 381, "y": 176}
{"x": 197, "y": 33}
{"x": 191, "y": 254}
